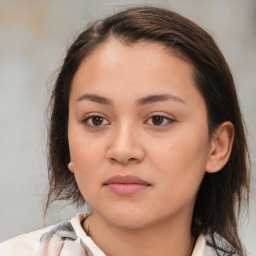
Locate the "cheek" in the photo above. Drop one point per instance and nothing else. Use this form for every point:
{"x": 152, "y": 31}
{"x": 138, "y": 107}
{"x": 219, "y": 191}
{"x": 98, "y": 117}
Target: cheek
{"x": 87, "y": 159}
{"x": 180, "y": 161}
{"x": 85, "y": 150}
{"x": 87, "y": 155}
{"x": 180, "y": 150}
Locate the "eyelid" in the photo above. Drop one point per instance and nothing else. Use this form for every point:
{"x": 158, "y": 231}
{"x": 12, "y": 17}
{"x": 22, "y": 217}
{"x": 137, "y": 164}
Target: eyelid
{"x": 164, "y": 115}
{"x": 93, "y": 114}
{"x": 90, "y": 115}
{"x": 96, "y": 114}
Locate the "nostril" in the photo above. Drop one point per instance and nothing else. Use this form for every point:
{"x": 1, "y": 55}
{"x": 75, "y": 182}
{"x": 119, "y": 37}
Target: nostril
{"x": 124, "y": 155}
{"x": 123, "y": 161}
{"x": 113, "y": 159}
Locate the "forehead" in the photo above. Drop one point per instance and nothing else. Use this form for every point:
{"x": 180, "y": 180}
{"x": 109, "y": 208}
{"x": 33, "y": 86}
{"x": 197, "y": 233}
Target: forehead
{"x": 114, "y": 50}
{"x": 140, "y": 57}
{"x": 134, "y": 70}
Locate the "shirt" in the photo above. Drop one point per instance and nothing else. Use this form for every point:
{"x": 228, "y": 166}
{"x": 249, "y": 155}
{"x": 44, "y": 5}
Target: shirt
{"x": 69, "y": 238}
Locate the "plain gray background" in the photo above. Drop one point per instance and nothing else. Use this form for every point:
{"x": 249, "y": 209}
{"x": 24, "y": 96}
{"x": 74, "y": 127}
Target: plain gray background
{"x": 33, "y": 38}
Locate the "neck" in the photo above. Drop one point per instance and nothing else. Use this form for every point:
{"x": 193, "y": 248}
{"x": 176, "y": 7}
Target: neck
{"x": 168, "y": 237}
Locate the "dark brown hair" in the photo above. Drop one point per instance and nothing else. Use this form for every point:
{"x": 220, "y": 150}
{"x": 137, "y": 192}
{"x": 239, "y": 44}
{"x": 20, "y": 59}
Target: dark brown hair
{"x": 221, "y": 194}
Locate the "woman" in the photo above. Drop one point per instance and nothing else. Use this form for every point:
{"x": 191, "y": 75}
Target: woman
{"x": 146, "y": 128}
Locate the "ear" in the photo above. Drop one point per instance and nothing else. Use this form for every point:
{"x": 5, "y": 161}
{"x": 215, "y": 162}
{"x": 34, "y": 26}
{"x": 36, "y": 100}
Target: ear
{"x": 220, "y": 147}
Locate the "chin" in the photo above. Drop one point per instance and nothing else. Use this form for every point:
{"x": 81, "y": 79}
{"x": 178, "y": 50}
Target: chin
{"x": 129, "y": 222}
{"x": 129, "y": 218}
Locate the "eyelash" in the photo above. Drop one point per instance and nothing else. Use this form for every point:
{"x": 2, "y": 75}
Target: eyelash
{"x": 90, "y": 117}
{"x": 166, "y": 120}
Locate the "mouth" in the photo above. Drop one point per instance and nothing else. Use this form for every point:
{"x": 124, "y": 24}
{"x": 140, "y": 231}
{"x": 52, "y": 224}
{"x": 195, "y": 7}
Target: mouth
{"x": 126, "y": 185}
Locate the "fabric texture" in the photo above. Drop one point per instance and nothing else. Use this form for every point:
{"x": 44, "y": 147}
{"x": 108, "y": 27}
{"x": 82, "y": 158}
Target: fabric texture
{"x": 68, "y": 238}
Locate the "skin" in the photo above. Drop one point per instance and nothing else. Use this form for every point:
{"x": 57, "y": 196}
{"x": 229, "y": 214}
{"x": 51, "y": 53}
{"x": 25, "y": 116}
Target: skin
{"x": 172, "y": 156}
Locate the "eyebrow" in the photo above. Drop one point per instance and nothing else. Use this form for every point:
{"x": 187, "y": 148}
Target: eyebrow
{"x": 95, "y": 98}
{"x": 158, "y": 97}
{"x": 142, "y": 101}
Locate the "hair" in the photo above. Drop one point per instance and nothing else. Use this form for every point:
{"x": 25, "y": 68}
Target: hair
{"x": 222, "y": 194}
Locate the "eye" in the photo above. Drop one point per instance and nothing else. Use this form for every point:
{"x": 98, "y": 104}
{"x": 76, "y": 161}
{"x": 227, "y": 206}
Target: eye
{"x": 158, "y": 120}
{"x": 95, "y": 121}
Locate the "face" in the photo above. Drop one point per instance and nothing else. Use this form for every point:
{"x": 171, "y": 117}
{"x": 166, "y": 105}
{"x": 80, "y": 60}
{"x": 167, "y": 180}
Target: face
{"x": 138, "y": 134}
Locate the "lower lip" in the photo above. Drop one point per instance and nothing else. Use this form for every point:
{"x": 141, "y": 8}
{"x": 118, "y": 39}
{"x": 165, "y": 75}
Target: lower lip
{"x": 125, "y": 189}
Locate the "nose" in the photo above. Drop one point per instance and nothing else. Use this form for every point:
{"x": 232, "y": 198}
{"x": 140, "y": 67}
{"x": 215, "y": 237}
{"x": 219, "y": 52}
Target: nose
{"x": 125, "y": 146}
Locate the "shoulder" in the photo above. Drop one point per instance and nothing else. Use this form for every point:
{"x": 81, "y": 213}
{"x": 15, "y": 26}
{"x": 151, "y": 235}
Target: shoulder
{"x": 210, "y": 251}
{"x": 31, "y": 244}
{"x": 24, "y": 245}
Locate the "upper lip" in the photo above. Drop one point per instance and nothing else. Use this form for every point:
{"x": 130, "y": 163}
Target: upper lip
{"x": 128, "y": 179}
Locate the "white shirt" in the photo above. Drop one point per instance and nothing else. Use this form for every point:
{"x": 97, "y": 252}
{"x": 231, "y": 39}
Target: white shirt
{"x": 69, "y": 238}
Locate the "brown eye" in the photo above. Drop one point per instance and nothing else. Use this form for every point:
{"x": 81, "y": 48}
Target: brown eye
{"x": 157, "y": 120}
{"x": 95, "y": 121}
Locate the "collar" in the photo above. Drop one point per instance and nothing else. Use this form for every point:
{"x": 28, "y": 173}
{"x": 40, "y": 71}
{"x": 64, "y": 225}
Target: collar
{"x": 199, "y": 249}
{"x": 69, "y": 238}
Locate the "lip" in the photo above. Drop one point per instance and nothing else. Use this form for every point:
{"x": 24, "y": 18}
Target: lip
{"x": 126, "y": 185}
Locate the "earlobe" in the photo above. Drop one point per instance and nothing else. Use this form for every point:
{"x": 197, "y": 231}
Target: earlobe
{"x": 70, "y": 166}
{"x": 221, "y": 147}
